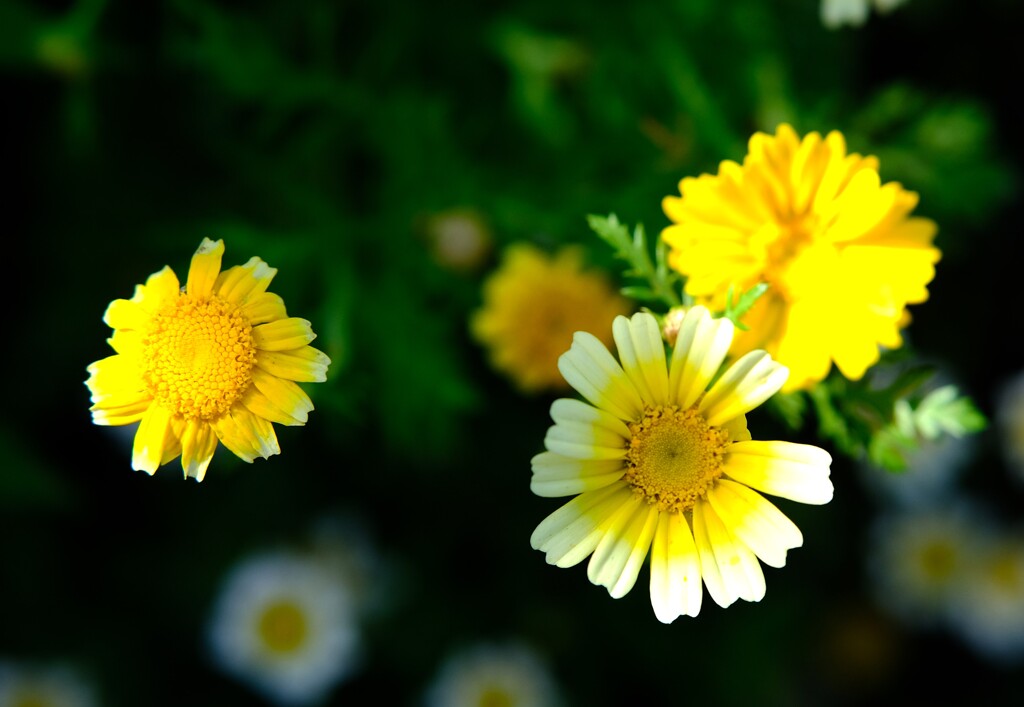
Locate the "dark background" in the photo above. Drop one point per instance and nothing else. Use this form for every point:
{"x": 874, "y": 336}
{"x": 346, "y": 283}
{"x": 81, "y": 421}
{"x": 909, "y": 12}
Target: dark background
{"x": 319, "y": 136}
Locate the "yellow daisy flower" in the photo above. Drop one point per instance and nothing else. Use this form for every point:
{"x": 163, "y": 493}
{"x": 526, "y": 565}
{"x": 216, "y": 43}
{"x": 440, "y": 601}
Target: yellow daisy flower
{"x": 662, "y": 462}
{"x": 533, "y": 304}
{"x": 213, "y": 360}
{"x": 839, "y": 249}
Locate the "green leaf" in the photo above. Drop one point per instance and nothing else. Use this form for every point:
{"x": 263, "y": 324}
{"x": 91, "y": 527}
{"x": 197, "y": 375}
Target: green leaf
{"x": 734, "y": 310}
{"x": 659, "y": 281}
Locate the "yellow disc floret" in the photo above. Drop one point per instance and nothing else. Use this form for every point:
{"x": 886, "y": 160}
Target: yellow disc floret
{"x": 674, "y": 457}
{"x": 283, "y": 627}
{"x": 199, "y": 356}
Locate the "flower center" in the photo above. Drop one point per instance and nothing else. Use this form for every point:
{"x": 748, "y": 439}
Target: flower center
{"x": 283, "y": 627}
{"x": 31, "y": 699}
{"x": 199, "y": 355}
{"x": 780, "y": 246}
{"x": 674, "y": 457}
{"x": 938, "y": 561}
{"x": 495, "y": 697}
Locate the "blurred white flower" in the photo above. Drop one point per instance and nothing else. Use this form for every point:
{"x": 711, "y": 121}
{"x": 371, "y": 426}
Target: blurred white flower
{"x": 919, "y": 560}
{"x": 284, "y": 624}
{"x": 37, "y": 686}
{"x": 493, "y": 676}
{"x": 990, "y": 613}
{"x": 931, "y": 473}
{"x": 1009, "y": 418}
{"x": 836, "y": 13}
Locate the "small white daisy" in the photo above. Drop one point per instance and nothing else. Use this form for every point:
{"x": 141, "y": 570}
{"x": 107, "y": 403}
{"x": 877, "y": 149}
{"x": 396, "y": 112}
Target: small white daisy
{"x": 990, "y": 613}
{"x": 36, "y": 686}
{"x": 493, "y": 676}
{"x": 1009, "y": 418}
{"x": 284, "y": 624}
{"x": 919, "y": 560}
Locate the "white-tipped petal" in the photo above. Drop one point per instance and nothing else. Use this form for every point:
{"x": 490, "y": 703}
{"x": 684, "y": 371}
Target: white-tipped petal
{"x": 746, "y": 384}
{"x": 723, "y": 594}
{"x": 737, "y": 566}
{"x": 701, "y": 347}
{"x": 799, "y": 472}
{"x": 569, "y": 410}
{"x": 571, "y": 533}
{"x": 676, "y": 588}
{"x": 556, "y": 475}
{"x": 590, "y": 369}
{"x": 755, "y": 521}
{"x": 619, "y": 555}
{"x": 643, "y": 355}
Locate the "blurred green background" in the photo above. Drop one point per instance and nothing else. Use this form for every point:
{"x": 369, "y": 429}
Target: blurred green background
{"x": 324, "y": 137}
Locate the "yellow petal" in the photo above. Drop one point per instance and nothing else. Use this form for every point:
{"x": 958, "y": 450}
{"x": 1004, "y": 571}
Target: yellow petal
{"x": 198, "y": 443}
{"x": 243, "y": 282}
{"x": 247, "y": 435}
{"x": 124, "y": 413}
{"x": 283, "y": 394}
{"x": 259, "y": 404}
{"x": 303, "y": 364}
{"x": 152, "y": 437}
{"x": 283, "y": 334}
{"x": 264, "y": 307}
{"x": 115, "y": 375}
{"x": 202, "y": 274}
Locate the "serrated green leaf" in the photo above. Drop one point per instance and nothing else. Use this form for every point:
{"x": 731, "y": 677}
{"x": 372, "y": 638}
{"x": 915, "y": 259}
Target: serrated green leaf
{"x": 635, "y": 251}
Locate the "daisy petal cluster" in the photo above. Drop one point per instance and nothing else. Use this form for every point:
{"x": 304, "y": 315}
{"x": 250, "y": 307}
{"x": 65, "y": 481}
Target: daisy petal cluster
{"x": 839, "y": 250}
{"x": 661, "y": 461}
{"x": 215, "y": 360}
{"x": 533, "y": 304}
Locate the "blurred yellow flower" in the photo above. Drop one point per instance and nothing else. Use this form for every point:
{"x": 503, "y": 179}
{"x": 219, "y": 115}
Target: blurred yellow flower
{"x": 662, "y": 462}
{"x": 213, "y": 360}
{"x": 840, "y": 251}
{"x": 533, "y": 304}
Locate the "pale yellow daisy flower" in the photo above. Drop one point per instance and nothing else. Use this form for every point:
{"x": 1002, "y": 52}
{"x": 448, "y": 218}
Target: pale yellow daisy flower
{"x": 841, "y": 254}
{"x": 663, "y": 462}
{"x": 533, "y": 304}
{"x": 213, "y": 360}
